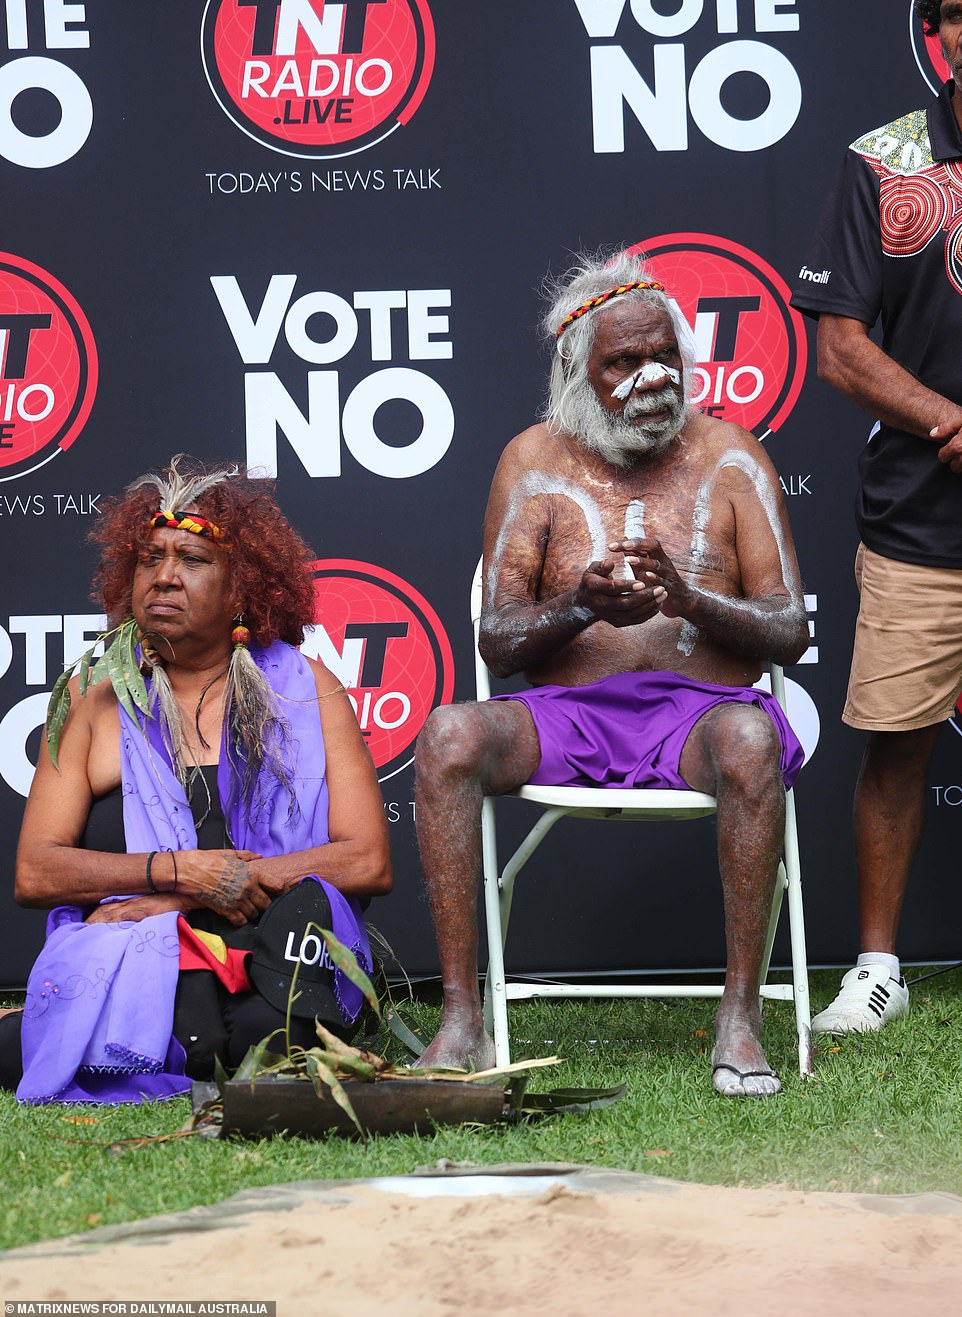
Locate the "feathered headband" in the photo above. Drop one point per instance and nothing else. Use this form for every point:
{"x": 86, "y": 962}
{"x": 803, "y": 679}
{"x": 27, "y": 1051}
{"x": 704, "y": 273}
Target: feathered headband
{"x": 178, "y": 492}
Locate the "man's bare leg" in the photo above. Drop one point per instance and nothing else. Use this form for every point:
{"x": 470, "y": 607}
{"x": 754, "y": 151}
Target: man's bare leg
{"x": 465, "y": 752}
{"x": 733, "y": 753}
{"x": 889, "y": 808}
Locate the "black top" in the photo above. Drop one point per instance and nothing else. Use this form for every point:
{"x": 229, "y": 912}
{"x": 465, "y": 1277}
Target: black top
{"x": 889, "y": 246}
{"x": 105, "y": 822}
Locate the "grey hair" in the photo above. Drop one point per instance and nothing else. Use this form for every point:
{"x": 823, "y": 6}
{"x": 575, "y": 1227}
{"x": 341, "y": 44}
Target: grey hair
{"x": 591, "y": 276}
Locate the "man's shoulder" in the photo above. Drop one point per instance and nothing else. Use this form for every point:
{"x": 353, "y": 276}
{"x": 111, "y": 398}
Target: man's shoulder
{"x": 712, "y": 437}
{"x": 537, "y": 445}
{"x": 901, "y": 146}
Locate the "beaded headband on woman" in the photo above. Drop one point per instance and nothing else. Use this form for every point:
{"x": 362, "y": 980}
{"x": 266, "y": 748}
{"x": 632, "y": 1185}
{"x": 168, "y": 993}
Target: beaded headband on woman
{"x": 593, "y": 303}
{"x": 186, "y": 521}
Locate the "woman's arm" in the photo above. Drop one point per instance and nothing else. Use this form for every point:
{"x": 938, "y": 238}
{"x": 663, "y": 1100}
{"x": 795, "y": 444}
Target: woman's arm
{"x": 53, "y": 869}
{"x": 357, "y": 859}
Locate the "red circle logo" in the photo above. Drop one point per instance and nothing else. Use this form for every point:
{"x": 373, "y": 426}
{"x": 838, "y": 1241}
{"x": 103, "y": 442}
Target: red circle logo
{"x": 386, "y": 645}
{"x": 316, "y": 79}
{"x": 752, "y": 349}
{"x": 48, "y": 367}
{"x": 928, "y": 53}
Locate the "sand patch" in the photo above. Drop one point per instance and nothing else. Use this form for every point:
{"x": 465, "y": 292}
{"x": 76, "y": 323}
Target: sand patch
{"x": 581, "y": 1244}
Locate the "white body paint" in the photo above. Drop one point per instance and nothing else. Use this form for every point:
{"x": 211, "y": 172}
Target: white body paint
{"x": 634, "y": 530}
{"x": 699, "y": 529}
{"x": 651, "y": 373}
{"x": 531, "y": 485}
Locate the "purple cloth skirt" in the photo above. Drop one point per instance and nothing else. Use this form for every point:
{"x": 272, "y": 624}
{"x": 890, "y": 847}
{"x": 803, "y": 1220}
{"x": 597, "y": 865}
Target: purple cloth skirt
{"x": 629, "y": 730}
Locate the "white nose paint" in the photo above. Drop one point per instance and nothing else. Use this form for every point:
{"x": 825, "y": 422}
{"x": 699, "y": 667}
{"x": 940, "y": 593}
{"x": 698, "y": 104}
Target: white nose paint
{"x": 651, "y": 373}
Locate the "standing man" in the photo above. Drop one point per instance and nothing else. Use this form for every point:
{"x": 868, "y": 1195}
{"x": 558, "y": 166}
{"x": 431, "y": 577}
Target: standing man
{"x": 639, "y": 568}
{"x": 889, "y": 247}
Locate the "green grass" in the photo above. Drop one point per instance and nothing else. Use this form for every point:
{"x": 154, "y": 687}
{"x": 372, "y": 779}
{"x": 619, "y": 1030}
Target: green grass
{"x": 883, "y": 1114}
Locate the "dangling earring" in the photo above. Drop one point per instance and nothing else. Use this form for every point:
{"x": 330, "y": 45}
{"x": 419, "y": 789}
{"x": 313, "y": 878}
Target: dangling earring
{"x": 248, "y": 697}
{"x": 240, "y": 636}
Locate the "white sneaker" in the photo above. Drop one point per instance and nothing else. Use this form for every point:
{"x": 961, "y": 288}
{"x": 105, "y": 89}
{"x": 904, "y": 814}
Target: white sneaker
{"x": 868, "y": 999}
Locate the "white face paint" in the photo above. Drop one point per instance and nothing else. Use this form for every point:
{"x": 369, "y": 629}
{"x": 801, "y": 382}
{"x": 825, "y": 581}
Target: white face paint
{"x": 653, "y": 372}
{"x": 699, "y": 530}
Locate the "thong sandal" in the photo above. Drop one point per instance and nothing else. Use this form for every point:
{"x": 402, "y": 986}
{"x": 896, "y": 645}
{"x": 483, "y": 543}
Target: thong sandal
{"x": 743, "y": 1075}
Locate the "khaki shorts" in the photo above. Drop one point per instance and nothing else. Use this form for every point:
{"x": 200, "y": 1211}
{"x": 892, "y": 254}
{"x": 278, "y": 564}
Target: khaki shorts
{"x": 907, "y": 663}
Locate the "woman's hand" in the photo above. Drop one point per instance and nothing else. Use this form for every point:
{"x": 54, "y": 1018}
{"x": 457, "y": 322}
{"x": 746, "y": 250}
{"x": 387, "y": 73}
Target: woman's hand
{"x": 139, "y": 907}
{"x": 220, "y": 880}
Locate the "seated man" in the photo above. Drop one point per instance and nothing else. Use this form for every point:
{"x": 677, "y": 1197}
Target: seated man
{"x": 639, "y": 567}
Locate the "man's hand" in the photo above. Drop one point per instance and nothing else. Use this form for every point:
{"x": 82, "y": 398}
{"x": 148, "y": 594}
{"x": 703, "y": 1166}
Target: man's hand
{"x": 950, "y": 434}
{"x": 620, "y": 603}
{"x": 653, "y": 567}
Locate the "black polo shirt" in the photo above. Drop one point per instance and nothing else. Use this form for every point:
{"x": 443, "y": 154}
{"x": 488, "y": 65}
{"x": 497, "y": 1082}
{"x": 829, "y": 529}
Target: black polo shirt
{"x": 889, "y": 246}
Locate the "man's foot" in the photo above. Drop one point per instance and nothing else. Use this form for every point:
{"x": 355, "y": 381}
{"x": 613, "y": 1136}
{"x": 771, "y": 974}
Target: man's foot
{"x": 739, "y": 1067}
{"x": 729, "y": 1082}
{"x": 460, "y": 1047}
{"x": 868, "y": 1000}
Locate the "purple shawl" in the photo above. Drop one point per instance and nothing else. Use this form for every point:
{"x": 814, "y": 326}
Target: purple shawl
{"x": 98, "y": 1017}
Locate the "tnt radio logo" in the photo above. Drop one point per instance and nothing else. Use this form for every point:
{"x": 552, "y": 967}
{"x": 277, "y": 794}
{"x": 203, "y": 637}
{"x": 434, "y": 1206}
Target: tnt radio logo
{"x": 48, "y": 367}
{"x": 318, "y": 79}
{"x": 386, "y": 645}
{"x": 751, "y": 346}
{"x": 928, "y": 53}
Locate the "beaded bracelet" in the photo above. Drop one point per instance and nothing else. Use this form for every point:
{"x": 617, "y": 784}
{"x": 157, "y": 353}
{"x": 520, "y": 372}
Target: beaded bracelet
{"x": 150, "y": 882}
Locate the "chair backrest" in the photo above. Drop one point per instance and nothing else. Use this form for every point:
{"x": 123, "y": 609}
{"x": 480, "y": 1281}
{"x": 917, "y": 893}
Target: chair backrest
{"x": 482, "y": 677}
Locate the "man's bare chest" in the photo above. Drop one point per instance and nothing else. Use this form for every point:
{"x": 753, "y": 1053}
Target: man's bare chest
{"x": 695, "y": 527}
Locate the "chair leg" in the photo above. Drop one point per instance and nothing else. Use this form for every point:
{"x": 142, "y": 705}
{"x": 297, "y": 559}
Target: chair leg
{"x": 498, "y": 895}
{"x": 796, "y": 920}
{"x": 778, "y": 892}
{"x": 495, "y": 998}
{"x": 521, "y": 857}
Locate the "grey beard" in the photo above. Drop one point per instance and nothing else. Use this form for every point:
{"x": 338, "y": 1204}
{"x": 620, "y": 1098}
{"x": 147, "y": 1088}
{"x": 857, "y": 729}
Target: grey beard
{"x": 615, "y": 436}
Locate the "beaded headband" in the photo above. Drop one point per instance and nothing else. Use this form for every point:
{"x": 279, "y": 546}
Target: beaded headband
{"x": 186, "y": 521}
{"x": 595, "y": 302}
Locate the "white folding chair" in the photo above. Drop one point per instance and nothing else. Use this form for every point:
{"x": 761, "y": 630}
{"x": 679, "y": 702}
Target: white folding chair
{"x": 614, "y": 804}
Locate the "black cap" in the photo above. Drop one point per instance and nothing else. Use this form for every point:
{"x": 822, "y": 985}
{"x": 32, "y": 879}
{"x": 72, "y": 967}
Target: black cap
{"x": 285, "y": 940}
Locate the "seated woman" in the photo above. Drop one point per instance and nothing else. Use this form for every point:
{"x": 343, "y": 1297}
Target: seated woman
{"x": 161, "y": 837}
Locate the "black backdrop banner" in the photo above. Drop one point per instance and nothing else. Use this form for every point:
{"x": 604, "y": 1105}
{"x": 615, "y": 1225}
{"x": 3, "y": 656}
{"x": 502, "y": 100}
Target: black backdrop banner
{"x": 311, "y": 235}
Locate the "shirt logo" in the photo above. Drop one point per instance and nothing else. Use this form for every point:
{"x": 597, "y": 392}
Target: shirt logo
{"x": 820, "y": 278}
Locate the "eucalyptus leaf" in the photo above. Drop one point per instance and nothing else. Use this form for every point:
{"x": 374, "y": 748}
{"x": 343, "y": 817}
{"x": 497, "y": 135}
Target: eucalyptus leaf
{"x": 253, "y": 1062}
{"x": 334, "y": 1044}
{"x": 321, "y": 1076}
{"x": 220, "y": 1074}
{"x": 57, "y": 709}
{"x": 402, "y": 1032}
{"x": 127, "y": 644}
{"x": 118, "y": 679}
{"x": 571, "y": 1100}
{"x": 99, "y": 672}
{"x": 346, "y": 962}
{"x": 84, "y": 674}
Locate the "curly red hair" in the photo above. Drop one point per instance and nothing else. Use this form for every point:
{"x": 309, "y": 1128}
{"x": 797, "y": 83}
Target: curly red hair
{"x": 268, "y": 559}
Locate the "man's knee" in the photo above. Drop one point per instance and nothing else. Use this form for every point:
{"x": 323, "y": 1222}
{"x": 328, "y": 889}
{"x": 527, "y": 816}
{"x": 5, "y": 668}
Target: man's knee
{"x": 450, "y": 743}
{"x": 744, "y": 749}
{"x": 901, "y": 755}
{"x": 494, "y": 743}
